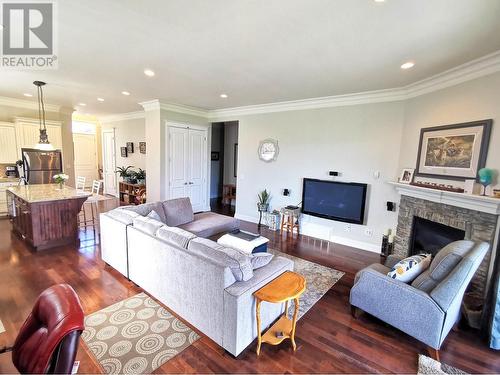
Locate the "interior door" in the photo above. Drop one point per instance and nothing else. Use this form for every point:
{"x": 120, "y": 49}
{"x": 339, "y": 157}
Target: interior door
{"x": 197, "y": 169}
{"x": 85, "y": 157}
{"x": 109, "y": 162}
{"x": 178, "y": 162}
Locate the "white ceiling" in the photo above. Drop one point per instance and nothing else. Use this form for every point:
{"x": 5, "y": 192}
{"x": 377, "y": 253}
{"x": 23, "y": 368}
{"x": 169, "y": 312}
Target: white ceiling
{"x": 256, "y": 51}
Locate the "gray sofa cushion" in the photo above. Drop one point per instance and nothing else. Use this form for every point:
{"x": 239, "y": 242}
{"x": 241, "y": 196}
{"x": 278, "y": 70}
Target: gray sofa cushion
{"x": 123, "y": 216}
{"x": 148, "y": 225}
{"x": 207, "y": 224}
{"x": 443, "y": 263}
{"x": 154, "y": 215}
{"x": 175, "y": 236}
{"x": 146, "y": 208}
{"x": 178, "y": 211}
{"x": 239, "y": 263}
{"x": 259, "y": 260}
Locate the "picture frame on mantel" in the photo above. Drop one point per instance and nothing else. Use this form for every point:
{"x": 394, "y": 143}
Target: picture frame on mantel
{"x": 454, "y": 152}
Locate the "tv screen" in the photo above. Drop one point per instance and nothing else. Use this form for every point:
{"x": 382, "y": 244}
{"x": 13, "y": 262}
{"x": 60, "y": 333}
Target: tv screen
{"x": 340, "y": 201}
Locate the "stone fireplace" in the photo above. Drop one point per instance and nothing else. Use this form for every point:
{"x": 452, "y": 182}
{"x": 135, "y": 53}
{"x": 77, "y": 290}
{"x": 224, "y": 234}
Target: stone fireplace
{"x": 457, "y": 216}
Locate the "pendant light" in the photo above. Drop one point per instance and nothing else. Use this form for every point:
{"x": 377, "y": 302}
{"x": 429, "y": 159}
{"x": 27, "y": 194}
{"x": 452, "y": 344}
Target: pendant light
{"x": 43, "y": 143}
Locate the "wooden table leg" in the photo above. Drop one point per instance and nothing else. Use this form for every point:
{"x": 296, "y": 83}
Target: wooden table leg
{"x": 294, "y": 322}
{"x": 259, "y": 335}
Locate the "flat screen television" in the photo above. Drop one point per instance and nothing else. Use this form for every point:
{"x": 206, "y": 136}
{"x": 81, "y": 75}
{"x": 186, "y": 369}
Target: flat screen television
{"x": 342, "y": 201}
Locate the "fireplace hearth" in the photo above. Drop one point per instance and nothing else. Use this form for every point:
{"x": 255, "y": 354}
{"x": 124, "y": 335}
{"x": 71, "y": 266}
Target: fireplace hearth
{"x": 429, "y": 236}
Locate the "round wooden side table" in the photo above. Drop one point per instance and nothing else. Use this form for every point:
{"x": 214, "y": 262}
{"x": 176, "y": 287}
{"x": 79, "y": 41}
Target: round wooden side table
{"x": 286, "y": 287}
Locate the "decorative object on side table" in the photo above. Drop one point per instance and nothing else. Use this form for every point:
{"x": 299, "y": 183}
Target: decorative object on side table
{"x": 140, "y": 176}
{"x": 384, "y": 250}
{"x": 263, "y": 204}
{"x": 142, "y": 147}
{"x": 390, "y": 244}
{"x": 123, "y": 152}
{"x": 485, "y": 178}
{"x": 286, "y": 287}
{"x": 124, "y": 172}
{"x": 60, "y": 179}
{"x": 406, "y": 176}
{"x": 130, "y": 147}
{"x": 453, "y": 151}
{"x": 272, "y": 220}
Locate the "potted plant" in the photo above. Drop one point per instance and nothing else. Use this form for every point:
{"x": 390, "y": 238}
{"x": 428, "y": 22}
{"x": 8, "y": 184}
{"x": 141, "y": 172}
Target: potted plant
{"x": 124, "y": 172}
{"x": 60, "y": 179}
{"x": 263, "y": 203}
{"x": 140, "y": 175}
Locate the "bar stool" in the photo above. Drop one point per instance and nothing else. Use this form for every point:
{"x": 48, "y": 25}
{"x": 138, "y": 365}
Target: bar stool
{"x": 290, "y": 220}
{"x": 80, "y": 183}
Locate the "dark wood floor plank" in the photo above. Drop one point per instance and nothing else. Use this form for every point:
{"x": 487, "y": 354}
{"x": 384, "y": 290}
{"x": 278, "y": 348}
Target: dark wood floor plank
{"x": 329, "y": 340}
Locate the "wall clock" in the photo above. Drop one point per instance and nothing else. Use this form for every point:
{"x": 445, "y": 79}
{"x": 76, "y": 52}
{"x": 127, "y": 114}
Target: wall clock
{"x": 268, "y": 150}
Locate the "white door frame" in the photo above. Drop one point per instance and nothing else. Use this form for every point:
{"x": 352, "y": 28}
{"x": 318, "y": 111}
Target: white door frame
{"x": 208, "y": 135}
{"x": 113, "y": 155}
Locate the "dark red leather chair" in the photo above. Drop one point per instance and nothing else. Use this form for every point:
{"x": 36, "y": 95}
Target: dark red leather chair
{"x": 48, "y": 340}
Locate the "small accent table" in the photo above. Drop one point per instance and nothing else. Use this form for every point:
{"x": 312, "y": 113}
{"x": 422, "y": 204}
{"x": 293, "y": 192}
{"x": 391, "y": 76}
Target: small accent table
{"x": 288, "y": 286}
{"x": 290, "y": 220}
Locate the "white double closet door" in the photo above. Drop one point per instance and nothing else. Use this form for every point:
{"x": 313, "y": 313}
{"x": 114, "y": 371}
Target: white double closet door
{"x": 188, "y": 165}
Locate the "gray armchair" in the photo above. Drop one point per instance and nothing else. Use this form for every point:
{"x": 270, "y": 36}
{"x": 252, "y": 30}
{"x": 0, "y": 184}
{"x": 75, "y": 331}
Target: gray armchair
{"x": 427, "y": 308}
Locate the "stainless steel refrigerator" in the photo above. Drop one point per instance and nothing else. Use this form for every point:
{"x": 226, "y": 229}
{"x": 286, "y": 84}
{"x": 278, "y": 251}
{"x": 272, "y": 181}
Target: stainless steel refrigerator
{"x": 40, "y": 166}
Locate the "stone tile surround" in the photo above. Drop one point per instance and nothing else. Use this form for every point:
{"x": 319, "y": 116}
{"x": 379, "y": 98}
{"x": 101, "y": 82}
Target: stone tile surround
{"x": 478, "y": 226}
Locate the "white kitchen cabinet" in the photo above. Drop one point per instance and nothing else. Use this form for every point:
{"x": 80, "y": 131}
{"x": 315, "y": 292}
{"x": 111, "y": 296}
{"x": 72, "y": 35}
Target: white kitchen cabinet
{"x": 8, "y": 149}
{"x": 3, "y": 196}
{"x": 28, "y": 133}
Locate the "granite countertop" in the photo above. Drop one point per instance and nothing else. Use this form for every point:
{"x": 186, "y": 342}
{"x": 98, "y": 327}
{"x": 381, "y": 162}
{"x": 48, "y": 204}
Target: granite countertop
{"x": 46, "y": 193}
{"x": 9, "y": 179}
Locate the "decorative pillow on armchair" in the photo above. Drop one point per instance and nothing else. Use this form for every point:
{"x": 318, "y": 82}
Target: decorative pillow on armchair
{"x": 406, "y": 270}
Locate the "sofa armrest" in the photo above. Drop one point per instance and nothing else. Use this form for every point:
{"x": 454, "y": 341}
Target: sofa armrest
{"x": 401, "y": 305}
{"x": 392, "y": 259}
{"x": 240, "y": 325}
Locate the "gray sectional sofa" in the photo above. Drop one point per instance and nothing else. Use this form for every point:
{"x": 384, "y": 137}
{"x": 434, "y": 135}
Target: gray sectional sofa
{"x": 207, "y": 285}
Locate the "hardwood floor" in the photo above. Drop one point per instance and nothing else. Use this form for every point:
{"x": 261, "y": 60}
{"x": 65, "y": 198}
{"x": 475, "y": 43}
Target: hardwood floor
{"x": 329, "y": 340}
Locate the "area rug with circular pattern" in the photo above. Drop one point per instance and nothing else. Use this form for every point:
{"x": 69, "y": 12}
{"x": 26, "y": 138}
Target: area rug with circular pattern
{"x": 135, "y": 336}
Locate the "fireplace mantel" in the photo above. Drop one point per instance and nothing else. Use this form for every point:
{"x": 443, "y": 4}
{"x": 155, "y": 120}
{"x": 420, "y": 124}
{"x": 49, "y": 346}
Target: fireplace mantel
{"x": 472, "y": 202}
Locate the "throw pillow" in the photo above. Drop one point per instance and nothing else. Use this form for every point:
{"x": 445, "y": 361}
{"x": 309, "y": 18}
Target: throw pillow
{"x": 178, "y": 211}
{"x": 148, "y": 225}
{"x": 259, "y": 260}
{"x": 239, "y": 263}
{"x": 154, "y": 215}
{"x": 406, "y": 270}
{"x": 176, "y": 236}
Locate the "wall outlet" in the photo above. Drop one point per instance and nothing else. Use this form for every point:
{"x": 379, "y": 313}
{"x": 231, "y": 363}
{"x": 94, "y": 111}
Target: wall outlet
{"x": 347, "y": 228}
{"x": 368, "y": 232}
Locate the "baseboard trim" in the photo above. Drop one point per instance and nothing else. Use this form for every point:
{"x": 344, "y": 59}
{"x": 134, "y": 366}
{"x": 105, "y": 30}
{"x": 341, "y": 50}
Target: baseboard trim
{"x": 373, "y": 248}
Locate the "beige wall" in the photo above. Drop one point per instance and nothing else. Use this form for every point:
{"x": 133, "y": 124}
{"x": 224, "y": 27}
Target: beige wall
{"x": 132, "y": 130}
{"x": 357, "y": 141}
{"x": 474, "y": 100}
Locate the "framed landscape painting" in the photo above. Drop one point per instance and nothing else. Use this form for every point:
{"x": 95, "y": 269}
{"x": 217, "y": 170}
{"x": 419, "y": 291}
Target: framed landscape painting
{"x": 453, "y": 151}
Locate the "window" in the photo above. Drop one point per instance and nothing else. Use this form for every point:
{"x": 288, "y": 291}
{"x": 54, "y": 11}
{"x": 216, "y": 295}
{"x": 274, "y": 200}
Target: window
{"x": 82, "y": 127}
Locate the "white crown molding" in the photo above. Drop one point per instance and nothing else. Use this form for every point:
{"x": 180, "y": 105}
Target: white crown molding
{"x": 122, "y": 117}
{"x": 34, "y": 121}
{"x": 477, "y": 68}
{"x": 480, "y": 67}
{"x": 20, "y": 103}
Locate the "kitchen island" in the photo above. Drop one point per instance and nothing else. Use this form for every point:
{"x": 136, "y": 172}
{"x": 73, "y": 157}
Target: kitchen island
{"x": 45, "y": 215}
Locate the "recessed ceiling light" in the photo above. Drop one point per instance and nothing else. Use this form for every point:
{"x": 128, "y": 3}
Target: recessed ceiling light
{"x": 224, "y": 96}
{"x": 100, "y": 99}
{"x": 126, "y": 93}
{"x": 149, "y": 72}
{"x": 28, "y": 95}
{"x": 408, "y": 65}
{"x": 379, "y": 1}
{"x": 82, "y": 104}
